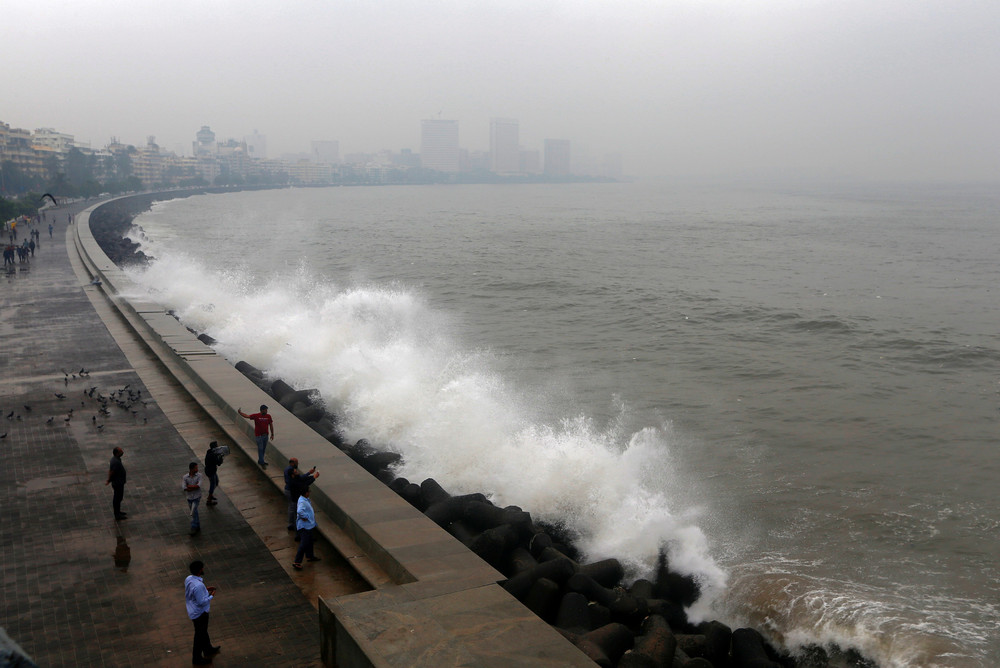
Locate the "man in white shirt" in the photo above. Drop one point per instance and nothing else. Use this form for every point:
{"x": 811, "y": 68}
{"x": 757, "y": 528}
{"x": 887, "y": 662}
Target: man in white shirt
{"x": 192, "y": 485}
{"x": 199, "y": 601}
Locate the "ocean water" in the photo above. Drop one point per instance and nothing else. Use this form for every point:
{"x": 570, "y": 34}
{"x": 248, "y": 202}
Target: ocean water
{"x": 795, "y": 391}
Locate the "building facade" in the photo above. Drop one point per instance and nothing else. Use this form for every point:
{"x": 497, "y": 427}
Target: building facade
{"x": 439, "y": 148}
{"x": 505, "y": 157}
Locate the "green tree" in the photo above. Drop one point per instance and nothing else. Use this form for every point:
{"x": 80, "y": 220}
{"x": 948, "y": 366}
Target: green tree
{"x": 60, "y": 185}
{"x": 14, "y": 180}
{"x": 79, "y": 167}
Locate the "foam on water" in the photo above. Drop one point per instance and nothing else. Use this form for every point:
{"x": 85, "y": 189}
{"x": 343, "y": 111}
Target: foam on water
{"x": 798, "y": 611}
{"x": 392, "y": 368}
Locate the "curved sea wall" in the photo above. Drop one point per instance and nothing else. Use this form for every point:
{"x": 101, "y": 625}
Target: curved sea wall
{"x": 612, "y": 622}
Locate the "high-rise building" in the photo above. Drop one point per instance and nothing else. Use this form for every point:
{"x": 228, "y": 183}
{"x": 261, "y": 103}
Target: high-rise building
{"x": 205, "y": 142}
{"x": 439, "y": 145}
{"x": 505, "y": 155}
{"x": 256, "y": 145}
{"x": 557, "y": 156}
{"x": 60, "y": 142}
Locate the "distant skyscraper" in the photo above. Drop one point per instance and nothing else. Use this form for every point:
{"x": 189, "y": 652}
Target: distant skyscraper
{"x": 557, "y": 157}
{"x": 326, "y": 152}
{"x": 256, "y": 145}
{"x": 205, "y": 144}
{"x": 439, "y": 145}
{"x": 505, "y": 157}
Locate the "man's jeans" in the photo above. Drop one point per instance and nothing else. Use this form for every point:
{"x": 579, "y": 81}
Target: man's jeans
{"x": 193, "y": 507}
{"x": 261, "y": 446}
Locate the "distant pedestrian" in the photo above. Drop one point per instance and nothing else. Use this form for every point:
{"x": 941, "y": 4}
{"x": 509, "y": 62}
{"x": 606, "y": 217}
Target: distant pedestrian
{"x": 116, "y": 478}
{"x": 50, "y": 230}
{"x": 306, "y": 522}
{"x": 192, "y": 485}
{"x": 213, "y": 460}
{"x": 262, "y": 423}
{"x": 198, "y": 598}
{"x": 295, "y": 482}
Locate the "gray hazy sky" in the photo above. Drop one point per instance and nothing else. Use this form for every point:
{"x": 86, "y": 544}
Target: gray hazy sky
{"x": 872, "y": 89}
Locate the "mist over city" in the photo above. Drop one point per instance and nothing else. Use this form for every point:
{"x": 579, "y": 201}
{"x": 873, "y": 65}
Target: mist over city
{"x": 890, "y": 91}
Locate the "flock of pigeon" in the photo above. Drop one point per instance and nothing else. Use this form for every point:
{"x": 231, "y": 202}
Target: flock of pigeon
{"x": 124, "y": 398}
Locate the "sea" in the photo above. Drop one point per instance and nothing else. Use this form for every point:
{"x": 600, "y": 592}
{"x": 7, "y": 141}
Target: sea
{"x": 793, "y": 390}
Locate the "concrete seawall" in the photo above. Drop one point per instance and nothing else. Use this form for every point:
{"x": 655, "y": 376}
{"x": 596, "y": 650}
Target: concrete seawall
{"x": 432, "y": 602}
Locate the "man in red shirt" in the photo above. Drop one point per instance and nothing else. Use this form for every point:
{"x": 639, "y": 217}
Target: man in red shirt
{"x": 262, "y": 422}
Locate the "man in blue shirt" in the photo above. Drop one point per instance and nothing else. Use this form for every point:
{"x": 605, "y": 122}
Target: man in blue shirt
{"x": 199, "y": 600}
{"x": 306, "y": 522}
{"x": 295, "y": 482}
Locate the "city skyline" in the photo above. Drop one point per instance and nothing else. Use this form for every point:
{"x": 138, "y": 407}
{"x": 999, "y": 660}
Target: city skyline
{"x": 439, "y": 137}
{"x": 49, "y": 159}
{"x": 891, "y": 90}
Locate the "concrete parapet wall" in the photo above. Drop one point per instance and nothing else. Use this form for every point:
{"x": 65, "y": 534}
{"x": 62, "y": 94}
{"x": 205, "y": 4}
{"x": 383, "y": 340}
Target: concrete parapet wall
{"x": 440, "y": 606}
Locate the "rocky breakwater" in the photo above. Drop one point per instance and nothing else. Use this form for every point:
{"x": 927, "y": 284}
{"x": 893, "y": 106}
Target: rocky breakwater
{"x": 111, "y": 221}
{"x": 639, "y": 624}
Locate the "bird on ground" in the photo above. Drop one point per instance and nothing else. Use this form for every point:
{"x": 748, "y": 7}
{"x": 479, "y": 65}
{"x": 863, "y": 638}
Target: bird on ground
{"x": 10, "y": 415}
{"x": 27, "y": 408}
{"x": 3, "y": 435}
{"x": 100, "y": 427}
{"x": 59, "y": 396}
{"x": 49, "y": 421}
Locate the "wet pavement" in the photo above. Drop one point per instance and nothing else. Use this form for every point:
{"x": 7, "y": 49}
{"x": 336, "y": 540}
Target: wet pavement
{"x": 80, "y": 588}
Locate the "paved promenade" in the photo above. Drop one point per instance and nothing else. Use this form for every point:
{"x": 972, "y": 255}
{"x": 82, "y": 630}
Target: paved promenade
{"x": 80, "y": 589}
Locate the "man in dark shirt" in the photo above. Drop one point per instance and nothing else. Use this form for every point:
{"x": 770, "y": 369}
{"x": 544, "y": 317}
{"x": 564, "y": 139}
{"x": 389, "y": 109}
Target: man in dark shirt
{"x": 213, "y": 460}
{"x": 295, "y": 482}
{"x": 116, "y": 478}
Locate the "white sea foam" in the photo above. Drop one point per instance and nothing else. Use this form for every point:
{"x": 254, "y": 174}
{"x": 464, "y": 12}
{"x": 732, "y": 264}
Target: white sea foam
{"x": 391, "y": 366}
{"x": 799, "y": 611}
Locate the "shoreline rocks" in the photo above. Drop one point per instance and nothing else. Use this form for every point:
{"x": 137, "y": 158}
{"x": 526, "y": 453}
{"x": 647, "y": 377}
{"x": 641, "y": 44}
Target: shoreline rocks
{"x": 642, "y": 624}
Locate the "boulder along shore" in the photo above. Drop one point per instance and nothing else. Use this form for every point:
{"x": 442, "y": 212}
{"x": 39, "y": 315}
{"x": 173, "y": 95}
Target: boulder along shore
{"x": 639, "y": 624}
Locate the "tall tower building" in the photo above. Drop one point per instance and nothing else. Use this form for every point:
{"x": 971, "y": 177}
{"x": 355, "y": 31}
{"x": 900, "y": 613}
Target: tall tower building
{"x": 439, "y": 145}
{"x": 505, "y": 157}
{"x": 256, "y": 145}
{"x": 557, "y": 157}
{"x": 205, "y": 142}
